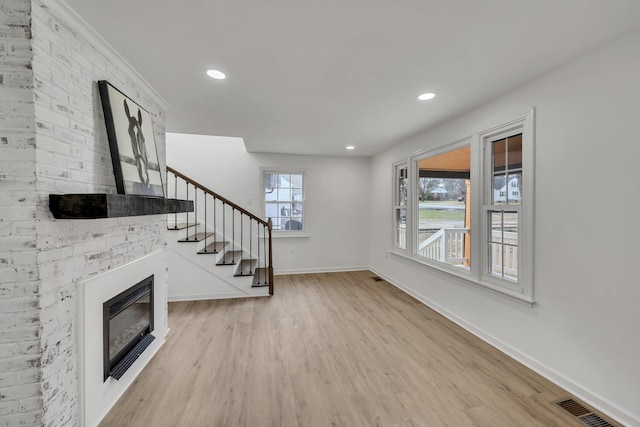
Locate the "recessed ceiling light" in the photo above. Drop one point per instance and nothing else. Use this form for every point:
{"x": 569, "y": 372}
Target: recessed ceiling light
{"x": 215, "y": 74}
{"x": 426, "y": 96}
{"x": 350, "y": 147}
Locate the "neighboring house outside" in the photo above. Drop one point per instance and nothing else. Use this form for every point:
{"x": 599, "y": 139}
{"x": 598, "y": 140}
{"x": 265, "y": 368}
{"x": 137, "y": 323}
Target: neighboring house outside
{"x": 439, "y": 193}
{"x": 500, "y": 195}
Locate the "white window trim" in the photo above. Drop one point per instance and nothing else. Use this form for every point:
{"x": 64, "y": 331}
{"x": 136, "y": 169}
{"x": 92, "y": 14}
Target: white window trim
{"x": 523, "y": 291}
{"x": 286, "y": 233}
{"x": 396, "y": 207}
{"x": 524, "y": 124}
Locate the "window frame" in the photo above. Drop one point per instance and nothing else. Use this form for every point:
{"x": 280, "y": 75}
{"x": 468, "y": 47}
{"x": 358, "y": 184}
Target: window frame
{"x": 290, "y": 171}
{"x": 525, "y": 125}
{"x": 397, "y": 207}
{"x": 481, "y": 192}
{"x": 415, "y": 207}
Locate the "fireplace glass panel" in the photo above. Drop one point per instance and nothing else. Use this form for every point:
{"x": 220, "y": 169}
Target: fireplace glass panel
{"x": 130, "y": 323}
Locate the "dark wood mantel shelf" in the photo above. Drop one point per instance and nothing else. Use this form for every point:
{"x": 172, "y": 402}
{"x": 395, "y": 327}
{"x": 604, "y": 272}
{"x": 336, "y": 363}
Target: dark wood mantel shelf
{"x": 102, "y": 205}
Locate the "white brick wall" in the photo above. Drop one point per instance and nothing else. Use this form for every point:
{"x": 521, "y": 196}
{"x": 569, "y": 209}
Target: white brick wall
{"x": 53, "y": 140}
{"x": 72, "y": 156}
{"x": 20, "y": 375}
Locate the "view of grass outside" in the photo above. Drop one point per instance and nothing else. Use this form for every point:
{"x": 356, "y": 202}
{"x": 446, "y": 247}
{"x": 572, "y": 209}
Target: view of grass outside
{"x": 434, "y": 215}
{"x": 441, "y": 214}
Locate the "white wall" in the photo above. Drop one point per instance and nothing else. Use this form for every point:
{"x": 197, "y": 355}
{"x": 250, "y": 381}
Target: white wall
{"x": 336, "y": 217}
{"x": 583, "y": 331}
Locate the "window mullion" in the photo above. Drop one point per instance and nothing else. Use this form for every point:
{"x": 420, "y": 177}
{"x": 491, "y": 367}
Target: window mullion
{"x": 502, "y": 245}
{"x": 412, "y": 208}
{"x": 477, "y": 199}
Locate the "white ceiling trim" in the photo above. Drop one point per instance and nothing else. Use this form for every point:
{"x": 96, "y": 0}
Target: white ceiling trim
{"x": 65, "y": 13}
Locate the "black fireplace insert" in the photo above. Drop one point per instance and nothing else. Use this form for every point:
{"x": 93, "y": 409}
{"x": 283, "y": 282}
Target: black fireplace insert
{"x": 127, "y": 326}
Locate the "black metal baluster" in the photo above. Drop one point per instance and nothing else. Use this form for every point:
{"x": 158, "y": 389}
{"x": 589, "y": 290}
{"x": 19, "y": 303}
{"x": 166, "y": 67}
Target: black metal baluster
{"x": 258, "y": 266}
{"x": 250, "y": 253}
{"x": 224, "y": 234}
{"x": 215, "y": 245}
{"x": 195, "y": 210}
{"x": 233, "y": 235}
{"x": 205, "y": 221}
{"x": 175, "y": 194}
{"x": 241, "y": 250}
{"x": 264, "y": 242}
{"x": 186, "y": 238}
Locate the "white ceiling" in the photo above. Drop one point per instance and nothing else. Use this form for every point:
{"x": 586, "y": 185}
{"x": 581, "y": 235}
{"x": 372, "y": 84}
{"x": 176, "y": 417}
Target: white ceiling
{"x": 310, "y": 77}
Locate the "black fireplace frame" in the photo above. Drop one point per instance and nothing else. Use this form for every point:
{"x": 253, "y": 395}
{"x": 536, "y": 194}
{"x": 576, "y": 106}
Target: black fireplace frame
{"x": 116, "y": 367}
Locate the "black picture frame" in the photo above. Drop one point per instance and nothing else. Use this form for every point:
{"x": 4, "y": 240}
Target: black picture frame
{"x": 132, "y": 144}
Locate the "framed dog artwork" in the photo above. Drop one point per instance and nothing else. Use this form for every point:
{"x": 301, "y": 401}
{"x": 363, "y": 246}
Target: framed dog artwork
{"x": 132, "y": 143}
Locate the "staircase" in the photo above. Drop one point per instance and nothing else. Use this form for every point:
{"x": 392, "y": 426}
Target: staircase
{"x": 220, "y": 250}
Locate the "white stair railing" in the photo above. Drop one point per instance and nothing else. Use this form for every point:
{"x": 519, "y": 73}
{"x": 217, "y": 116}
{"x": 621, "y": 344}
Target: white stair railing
{"x": 446, "y": 245}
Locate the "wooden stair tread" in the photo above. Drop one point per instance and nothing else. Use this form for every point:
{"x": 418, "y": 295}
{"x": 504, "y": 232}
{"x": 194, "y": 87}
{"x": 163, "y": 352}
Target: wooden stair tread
{"x": 245, "y": 268}
{"x": 230, "y": 258}
{"x": 213, "y": 248}
{"x": 179, "y": 226}
{"x": 196, "y": 237}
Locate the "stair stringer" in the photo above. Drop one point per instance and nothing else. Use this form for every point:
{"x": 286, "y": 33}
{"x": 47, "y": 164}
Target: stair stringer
{"x": 194, "y": 276}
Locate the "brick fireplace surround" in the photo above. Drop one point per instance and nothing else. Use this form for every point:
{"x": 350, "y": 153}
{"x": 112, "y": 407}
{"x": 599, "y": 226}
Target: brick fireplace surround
{"x": 53, "y": 140}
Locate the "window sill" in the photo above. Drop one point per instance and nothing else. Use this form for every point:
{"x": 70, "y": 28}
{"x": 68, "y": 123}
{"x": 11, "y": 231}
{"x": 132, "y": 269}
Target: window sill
{"x": 514, "y": 296}
{"x": 286, "y": 235}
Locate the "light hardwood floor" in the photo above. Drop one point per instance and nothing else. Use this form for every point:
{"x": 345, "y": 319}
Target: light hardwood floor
{"x": 334, "y": 349}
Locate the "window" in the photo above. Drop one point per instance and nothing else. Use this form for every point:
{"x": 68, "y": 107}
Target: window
{"x": 443, "y": 205}
{"x": 502, "y": 207}
{"x": 284, "y": 199}
{"x": 507, "y": 207}
{"x": 400, "y": 206}
{"x": 468, "y": 208}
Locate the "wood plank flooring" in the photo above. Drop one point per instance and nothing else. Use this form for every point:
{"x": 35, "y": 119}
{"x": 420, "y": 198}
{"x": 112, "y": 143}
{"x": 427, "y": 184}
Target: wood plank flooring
{"x": 334, "y": 349}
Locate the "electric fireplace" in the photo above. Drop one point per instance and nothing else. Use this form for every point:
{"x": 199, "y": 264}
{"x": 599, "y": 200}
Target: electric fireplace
{"x": 127, "y": 326}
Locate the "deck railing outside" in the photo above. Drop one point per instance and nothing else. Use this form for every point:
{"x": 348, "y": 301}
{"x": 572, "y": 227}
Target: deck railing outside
{"x": 446, "y": 245}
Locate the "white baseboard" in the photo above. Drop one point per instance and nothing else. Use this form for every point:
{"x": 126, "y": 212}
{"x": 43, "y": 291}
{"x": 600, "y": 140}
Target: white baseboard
{"x": 319, "y": 270}
{"x": 587, "y": 396}
{"x": 201, "y": 297}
